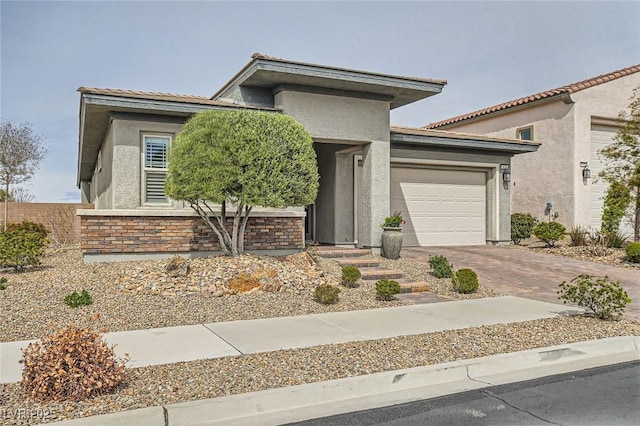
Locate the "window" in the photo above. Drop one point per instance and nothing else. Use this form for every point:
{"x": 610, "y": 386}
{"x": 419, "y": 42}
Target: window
{"x": 525, "y": 133}
{"x": 156, "y": 149}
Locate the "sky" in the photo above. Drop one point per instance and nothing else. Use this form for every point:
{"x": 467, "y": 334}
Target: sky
{"x": 489, "y": 52}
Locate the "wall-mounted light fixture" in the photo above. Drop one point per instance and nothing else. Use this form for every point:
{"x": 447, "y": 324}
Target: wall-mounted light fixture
{"x": 506, "y": 172}
{"x": 586, "y": 172}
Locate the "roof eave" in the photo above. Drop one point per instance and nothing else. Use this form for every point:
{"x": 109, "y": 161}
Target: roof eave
{"x": 464, "y": 143}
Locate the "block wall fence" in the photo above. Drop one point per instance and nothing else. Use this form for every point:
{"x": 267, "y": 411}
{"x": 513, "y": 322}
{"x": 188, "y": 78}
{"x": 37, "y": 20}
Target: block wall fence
{"x": 106, "y": 235}
{"x": 59, "y": 218}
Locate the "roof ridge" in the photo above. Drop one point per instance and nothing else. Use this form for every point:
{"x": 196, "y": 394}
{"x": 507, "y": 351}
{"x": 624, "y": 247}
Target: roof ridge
{"x": 569, "y": 88}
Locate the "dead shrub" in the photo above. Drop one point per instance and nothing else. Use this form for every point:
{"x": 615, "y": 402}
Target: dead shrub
{"x": 74, "y": 364}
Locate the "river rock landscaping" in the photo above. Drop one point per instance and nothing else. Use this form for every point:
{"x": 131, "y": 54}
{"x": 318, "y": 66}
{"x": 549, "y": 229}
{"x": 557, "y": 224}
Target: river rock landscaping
{"x": 159, "y": 293}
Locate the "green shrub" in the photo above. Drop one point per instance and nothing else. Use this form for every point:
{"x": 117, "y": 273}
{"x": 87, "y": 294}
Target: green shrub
{"x": 616, "y": 239}
{"x": 549, "y": 232}
{"x": 441, "y": 266}
{"x": 604, "y": 298}
{"x": 579, "y": 236}
{"x": 387, "y": 289}
{"x": 74, "y": 299}
{"x": 28, "y": 226}
{"x": 522, "y": 225}
{"x": 393, "y": 221}
{"x": 20, "y": 248}
{"x": 616, "y": 201}
{"x": 465, "y": 281}
{"x": 3, "y": 283}
{"x": 350, "y": 275}
{"x": 633, "y": 252}
{"x": 326, "y": 294}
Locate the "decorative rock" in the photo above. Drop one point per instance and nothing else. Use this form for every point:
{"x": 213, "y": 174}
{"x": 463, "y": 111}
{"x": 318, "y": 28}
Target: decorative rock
{"x": 177, "y": 267}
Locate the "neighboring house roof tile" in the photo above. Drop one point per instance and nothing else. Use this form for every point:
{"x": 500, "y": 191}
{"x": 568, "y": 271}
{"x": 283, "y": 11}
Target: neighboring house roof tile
{"x": 170, "y": 97}
{"x": 568, "y": 89}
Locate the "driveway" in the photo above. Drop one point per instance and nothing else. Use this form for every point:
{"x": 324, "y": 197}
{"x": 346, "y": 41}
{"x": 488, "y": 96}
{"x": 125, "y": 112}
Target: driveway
{"x": 528, "y": 274}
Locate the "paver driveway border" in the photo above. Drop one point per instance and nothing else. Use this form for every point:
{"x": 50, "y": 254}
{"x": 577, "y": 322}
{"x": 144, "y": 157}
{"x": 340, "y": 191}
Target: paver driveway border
{"x": 526, "y": 273}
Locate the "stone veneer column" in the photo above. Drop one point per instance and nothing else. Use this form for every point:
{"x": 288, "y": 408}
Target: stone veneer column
{"x": 375, "y": 189}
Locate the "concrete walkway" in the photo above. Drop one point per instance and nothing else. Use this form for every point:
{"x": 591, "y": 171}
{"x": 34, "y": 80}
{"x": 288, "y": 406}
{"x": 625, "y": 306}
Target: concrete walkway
{"x": 529, "y": 274}
{"x": 215, "y": 340}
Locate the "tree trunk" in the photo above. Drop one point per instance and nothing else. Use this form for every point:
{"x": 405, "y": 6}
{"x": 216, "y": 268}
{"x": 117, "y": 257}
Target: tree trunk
{"x": 243, "y": 226}
{"x": 204, "y": 216}
{"x": 6, "y": 205}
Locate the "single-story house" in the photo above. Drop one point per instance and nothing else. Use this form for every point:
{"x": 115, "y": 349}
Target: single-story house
{"x": 572, "y": 123}
{"x": 451, "y": 187}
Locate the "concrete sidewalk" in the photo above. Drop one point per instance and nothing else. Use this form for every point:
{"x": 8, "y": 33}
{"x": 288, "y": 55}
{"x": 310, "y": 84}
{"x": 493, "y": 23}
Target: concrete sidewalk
{"x": 215, "y": 340}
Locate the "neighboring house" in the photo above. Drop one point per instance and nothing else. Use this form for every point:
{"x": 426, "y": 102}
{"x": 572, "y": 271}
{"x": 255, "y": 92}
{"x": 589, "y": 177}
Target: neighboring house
{"x": 572, "y": 123}
{"x": 448, "y": 186}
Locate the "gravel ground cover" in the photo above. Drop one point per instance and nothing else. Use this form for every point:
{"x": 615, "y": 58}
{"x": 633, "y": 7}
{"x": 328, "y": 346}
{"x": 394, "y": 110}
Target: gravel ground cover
{"x": 172, "y": 383}
{"x": 590, "y": 253}
{"x": 139, "y": 294}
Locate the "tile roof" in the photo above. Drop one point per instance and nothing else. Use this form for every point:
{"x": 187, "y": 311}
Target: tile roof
{"x": 568, "y": 89}
{"x": 421, "y": 131}
{"x": 159, "y": 96}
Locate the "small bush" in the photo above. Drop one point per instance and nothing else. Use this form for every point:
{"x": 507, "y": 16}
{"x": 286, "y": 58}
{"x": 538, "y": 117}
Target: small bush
{"x": 522, "y": 225}
{"x": 28, "y": 226}
{"x": 387, "y": 289}
{"x": 633, "y": 252}
{"x": 604, "y": 298}
{"x": 350, "y": 275}
{"x": 465, "y": 281}
{"x": 441, "y": 266}
{"x": 20, "y": 248}
{"x": 616, "y": 239}
{"x": 549, "y": 232}
{"x": 74, "y": 299}
{"x": 326, "y": 294}
{"x": 3, "y": 283}
{"x": 578, "y": 236}
{"x": 73, "y": 364}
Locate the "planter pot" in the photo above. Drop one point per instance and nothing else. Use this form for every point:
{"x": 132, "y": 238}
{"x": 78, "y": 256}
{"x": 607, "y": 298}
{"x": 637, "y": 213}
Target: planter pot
{"x": 391, "y": 242}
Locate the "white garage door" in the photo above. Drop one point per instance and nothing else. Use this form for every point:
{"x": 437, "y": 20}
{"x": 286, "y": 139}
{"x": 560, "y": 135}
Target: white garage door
{"x": 441, "y": 207}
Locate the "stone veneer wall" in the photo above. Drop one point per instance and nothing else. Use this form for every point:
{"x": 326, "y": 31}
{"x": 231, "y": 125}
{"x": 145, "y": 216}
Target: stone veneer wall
{"x": 157, "y": 234}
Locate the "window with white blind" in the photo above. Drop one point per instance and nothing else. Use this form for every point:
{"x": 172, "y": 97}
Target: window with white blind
{"x": 156, "y": 150}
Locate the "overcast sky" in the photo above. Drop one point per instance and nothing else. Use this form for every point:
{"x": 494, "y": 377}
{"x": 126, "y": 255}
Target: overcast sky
{"x": 489, "y": 52}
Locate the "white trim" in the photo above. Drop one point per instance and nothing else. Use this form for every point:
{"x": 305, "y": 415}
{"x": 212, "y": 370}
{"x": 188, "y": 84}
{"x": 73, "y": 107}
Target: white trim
{"x": 145, "y": 169}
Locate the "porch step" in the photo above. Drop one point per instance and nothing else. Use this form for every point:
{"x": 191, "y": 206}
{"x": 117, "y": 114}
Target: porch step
{"x": 336, "y": 252}
{"x": 374, "y": 274}
{"x": 413, "y": 286}
{"x": 359, "y": 262}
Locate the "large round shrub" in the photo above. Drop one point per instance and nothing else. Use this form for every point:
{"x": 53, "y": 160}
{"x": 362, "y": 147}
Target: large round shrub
{"x": 633, "y": 252}
{"x": 549, "y": 232}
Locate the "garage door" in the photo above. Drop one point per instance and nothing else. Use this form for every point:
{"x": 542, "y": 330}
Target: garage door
{"x": 441, "y": 207}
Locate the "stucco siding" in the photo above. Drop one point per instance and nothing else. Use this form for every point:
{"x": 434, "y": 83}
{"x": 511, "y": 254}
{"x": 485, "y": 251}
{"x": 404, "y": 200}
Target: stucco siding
{"x": 544, "y": 176}
{"x": 101, "y": 183}
{"x": 340, "y": 118}
{"x": 128, "y": 151}
{"x": 604, "y": 100}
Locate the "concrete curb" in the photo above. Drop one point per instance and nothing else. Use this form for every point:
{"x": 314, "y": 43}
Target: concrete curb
{"x": 307, "y": 401}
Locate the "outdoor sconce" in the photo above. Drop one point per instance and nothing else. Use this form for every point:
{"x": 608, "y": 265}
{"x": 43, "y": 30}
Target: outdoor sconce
{"x": 506, "y": 172}
{"x": 586, "y": 172}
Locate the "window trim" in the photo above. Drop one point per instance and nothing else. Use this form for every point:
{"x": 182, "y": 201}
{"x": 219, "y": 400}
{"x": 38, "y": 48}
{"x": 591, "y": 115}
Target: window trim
{"x": 145, "y": 169}
{"x": 520, "y": 129}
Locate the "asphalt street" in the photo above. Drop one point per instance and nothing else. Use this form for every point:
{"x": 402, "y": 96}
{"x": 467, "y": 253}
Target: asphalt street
{"x": 599, "y": 396}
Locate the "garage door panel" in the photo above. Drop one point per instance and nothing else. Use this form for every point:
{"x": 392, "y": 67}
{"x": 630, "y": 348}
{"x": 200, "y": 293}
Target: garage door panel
{"x": 441, "y": 207}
